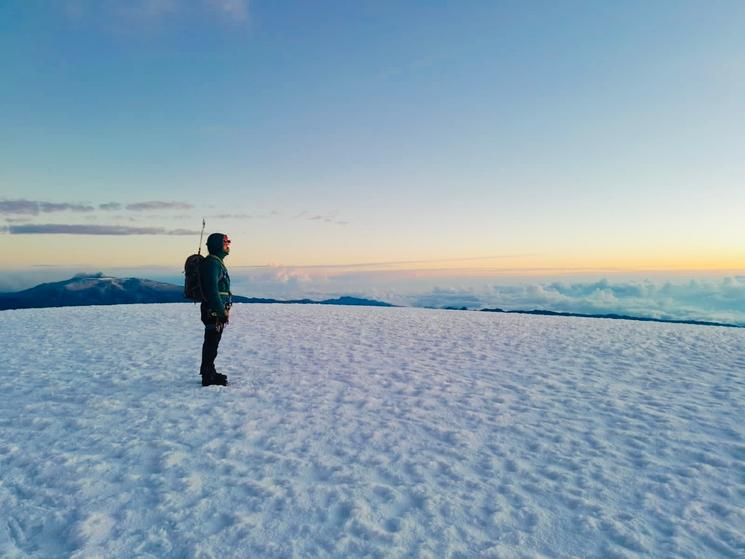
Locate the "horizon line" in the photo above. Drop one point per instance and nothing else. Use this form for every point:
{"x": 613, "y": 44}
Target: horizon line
{"x": 388, "y": 267}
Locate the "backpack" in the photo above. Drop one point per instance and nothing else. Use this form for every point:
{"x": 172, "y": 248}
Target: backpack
{"x": 192, "y": 281}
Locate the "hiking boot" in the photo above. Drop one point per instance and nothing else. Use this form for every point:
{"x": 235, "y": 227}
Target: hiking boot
{"x": 216, "y": 380}
{"x": 219, "y": 376}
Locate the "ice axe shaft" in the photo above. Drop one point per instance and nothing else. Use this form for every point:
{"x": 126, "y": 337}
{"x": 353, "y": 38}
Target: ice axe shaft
{"x": 199, "y": 248}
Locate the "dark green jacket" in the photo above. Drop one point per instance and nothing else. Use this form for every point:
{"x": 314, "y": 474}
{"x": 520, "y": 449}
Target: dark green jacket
{"x": 215, "y": 284}
{"x": 214, "y": 277}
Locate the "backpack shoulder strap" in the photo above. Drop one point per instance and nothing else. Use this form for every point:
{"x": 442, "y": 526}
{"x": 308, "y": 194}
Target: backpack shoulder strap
{"x": 223, "y": 269}
{"x": 222, "y": 265}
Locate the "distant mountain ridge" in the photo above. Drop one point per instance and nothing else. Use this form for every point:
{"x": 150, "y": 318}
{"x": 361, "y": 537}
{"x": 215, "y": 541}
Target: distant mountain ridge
{"x": 615, "y": 316}
{"x": 99, "y": 289}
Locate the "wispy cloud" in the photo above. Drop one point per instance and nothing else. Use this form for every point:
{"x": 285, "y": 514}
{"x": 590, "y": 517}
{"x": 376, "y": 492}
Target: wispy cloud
{"x": 330, "y": 217}
{"x": 430, "y": 264}
{"x": 235, "y": 10}
{"x": 264, "y": 215}
{"x": 47, "y": 207}
{"x": 23, "y": 207}
{"x": 150, "y": 9}
{"x": 232, "y": 216}
{"x": 147, "y": 11}
{"x": 34, "y": 207}
{"x": 157, "y": 205}
{"x": 76, "y": 229}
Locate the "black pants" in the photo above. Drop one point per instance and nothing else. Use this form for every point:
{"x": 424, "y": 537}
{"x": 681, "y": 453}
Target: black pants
{"x": 209, "y": 348}
{"x": 212, "y": 335}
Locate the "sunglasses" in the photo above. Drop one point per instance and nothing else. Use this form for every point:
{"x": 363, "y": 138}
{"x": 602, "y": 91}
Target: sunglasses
{"x": 226, "y": 241}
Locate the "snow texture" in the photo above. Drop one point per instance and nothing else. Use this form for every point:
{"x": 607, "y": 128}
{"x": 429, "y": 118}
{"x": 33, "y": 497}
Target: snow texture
{"x": 365, "y": 432}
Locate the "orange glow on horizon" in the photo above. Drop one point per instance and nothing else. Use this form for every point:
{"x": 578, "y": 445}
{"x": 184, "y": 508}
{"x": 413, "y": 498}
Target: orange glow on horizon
{"x": 170, "y": 252}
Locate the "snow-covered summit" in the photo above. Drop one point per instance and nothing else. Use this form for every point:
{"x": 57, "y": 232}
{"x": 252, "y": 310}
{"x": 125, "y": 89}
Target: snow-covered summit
{"x": 93, "y": 289}
{"x": 366, "y": 432}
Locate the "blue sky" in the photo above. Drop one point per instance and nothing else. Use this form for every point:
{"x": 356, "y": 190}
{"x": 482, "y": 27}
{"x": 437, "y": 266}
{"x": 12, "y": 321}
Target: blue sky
{"x": 479, "y": 138}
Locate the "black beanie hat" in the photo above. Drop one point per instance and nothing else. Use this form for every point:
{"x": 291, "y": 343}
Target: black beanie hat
{"x": 214, "y": 243}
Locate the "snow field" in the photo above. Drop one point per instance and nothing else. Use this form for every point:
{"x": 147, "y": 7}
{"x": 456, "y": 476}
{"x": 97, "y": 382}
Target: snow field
{"x": 366, "y": 432}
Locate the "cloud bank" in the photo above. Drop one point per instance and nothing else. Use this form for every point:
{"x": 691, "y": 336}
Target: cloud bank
{"x": 716, "y": 300}
{"x": 721, "y": 300}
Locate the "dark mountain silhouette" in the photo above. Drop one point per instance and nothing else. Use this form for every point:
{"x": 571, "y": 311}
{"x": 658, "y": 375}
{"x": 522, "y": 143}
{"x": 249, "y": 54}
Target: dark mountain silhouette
{"x": 98, "y": 289}
{"x": 95, "y": 289}
{"x": 346, "y": 300}
{"x": 616, "y": 317}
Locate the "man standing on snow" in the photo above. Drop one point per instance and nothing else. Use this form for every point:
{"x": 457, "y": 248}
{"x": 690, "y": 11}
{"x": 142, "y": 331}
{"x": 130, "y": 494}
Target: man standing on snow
{"x": 215, "y": 310}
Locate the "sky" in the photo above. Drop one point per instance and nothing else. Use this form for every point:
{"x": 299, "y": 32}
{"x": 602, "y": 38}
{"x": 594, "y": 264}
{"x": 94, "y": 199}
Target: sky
{"x": 436, "y": 139}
